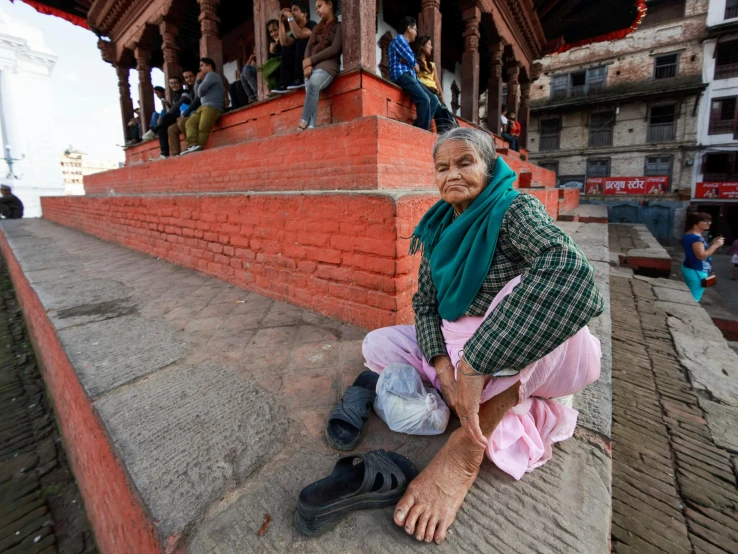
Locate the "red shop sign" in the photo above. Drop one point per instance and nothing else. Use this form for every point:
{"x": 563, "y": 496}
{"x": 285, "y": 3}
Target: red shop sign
{"x": 716, "y": 190}
{"x": 627, "y": 185}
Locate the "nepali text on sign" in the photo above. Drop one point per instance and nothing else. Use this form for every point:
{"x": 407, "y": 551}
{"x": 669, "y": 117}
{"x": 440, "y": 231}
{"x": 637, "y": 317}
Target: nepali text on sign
{"x": 627, "y": 185}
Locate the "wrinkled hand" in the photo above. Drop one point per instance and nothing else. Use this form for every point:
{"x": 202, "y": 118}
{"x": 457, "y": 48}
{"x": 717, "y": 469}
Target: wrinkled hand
{"x": 468, "y": 394}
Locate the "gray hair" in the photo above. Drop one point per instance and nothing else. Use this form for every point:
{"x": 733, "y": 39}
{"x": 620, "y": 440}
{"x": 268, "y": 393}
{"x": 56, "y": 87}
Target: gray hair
{"x": 481, "y": 142}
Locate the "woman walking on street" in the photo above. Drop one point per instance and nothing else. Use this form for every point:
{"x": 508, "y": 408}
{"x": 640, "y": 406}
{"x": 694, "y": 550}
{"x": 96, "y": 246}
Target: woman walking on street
{"x": 697, "y": 265}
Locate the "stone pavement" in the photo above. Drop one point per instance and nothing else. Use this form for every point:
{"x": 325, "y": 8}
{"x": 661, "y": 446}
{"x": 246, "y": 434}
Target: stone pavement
{"x": 218, "y": 412}
{"x": 41, "y": 510}
{"x": 674, "y": 412}
{"x": 634, "y": 246}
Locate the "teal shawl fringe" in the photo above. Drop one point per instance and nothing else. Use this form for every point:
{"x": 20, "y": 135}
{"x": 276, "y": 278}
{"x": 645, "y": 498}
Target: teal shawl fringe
{"x": 460, "y": 250}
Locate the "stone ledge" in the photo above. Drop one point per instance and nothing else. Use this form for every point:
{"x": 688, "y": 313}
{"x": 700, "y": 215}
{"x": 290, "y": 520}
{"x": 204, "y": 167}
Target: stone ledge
{"x": 232, "y": 429}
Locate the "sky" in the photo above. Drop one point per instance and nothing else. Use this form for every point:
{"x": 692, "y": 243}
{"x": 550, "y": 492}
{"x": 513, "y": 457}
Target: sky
{"x": 85, "y": 88}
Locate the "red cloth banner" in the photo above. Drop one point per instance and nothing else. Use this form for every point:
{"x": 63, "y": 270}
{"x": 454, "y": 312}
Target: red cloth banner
{"x": 717, "y": 190}
{"x": 627, "y": 185}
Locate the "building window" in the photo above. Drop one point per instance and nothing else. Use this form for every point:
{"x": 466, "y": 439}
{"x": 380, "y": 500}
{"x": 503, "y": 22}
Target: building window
{"x": 598, "y": 168}
{"x": 720, "y": 167}
{"x": 662, "y": 123}
{"x": 661, "y": 11}
{"x": 551, "y": 166}
{"x": 731, "y": 9}
{"x": 658, "y": 165}
{"x": 726, "y": 61}
{"x": 600, "y": 128}
{"x": 578, "y": 83}
{"x": 722, "y": 116}
{"x": 550, "y": 134}
{"x": 666, "y": 67}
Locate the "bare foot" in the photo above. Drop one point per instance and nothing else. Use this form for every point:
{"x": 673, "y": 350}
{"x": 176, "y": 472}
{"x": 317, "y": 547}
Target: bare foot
{"x": 431, "y": 501}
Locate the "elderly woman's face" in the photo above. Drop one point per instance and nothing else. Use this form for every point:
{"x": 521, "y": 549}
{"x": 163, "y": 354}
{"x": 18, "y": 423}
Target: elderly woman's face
{"x": 460, "y": 174}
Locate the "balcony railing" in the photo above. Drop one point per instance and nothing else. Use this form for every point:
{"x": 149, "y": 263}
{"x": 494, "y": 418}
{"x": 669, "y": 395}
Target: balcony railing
{"x": 550, "y": 143}
{"x": 661, "y": 132}
{"x": 726, "y": 71}
{"x": 721, "y": 127}
{"x": 601, "y": 138}
{"x": 731, "y": 12}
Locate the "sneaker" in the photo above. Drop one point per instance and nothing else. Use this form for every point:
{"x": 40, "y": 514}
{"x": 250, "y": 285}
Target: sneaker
{"x": 280, "y": 90}
{"x": 150, "y": 135}
{"x": 296, "y": 85}
{"x": 162, "y": 157}
{"x": 192, "y": 149}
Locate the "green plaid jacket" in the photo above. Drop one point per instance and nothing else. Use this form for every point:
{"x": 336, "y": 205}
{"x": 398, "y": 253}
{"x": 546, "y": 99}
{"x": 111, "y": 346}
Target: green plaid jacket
{"x": 556, "y": 297}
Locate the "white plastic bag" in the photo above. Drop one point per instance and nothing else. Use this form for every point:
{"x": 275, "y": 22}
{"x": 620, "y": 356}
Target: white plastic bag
{"x": 406, "y": 406}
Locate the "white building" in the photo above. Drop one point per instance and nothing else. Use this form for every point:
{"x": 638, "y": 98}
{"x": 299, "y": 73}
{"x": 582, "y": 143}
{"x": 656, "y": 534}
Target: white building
{"x": 76, "y": 165}
{"x": 26, "y": 114}
{"x": 718, "y": 121}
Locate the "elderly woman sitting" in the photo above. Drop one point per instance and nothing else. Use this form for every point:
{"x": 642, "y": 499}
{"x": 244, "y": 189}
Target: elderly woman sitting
{"x": 502, "y": 303}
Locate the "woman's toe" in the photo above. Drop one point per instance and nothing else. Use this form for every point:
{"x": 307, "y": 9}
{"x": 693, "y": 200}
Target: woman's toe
{"x": 430, "y": 529}
{"x": 412, "y": 518}
{"x": 403, "y": 507}
{"x": 441, "y": 531}
{"x": 421, "y": 526}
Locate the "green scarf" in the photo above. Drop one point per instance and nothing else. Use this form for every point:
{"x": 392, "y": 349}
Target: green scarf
{"x": 460, "y": 250}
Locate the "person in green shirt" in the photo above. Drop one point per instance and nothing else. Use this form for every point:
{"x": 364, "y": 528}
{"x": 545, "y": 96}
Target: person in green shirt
{"x": 494, "y": 266}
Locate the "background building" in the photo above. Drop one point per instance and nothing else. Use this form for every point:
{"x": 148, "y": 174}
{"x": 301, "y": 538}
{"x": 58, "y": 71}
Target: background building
{"x": 715, "y": 181}
{"x": 627, "y": 108}
{"x": 26, "y": 110}
{"x": 75, "y": 165}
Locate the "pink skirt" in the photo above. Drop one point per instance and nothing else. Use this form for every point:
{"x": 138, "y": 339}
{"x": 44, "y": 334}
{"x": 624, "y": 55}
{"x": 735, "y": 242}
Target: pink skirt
{"x": 524, "y": 438}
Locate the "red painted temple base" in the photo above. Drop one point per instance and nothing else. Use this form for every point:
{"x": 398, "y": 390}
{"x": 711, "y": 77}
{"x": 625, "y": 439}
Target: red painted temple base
{"x": 319, "y": 219}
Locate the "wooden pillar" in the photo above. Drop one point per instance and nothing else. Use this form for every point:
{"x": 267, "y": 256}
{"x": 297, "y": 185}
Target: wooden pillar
{"x": 429, "y": 24}
{"x": 494, "y": 89}
{"x": 264, "y": 10}
{"x": 210, "y": 44}
{"x": 145, "y": 90}
{"x": 126, "y": 103}
{"x": 470, "y": 66}
{"x": 513, "y": 73}
{"x": 170, "y": 50}
{"x": 358, "y": 21}
{"x": 523, "y": 114}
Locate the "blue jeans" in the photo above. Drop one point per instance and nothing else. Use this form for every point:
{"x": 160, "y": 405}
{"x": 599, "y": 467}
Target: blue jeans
{"x": 248, "y": 80}
{"x": 425, "y": 101}
{"x": 155, "y": 118}
{"x": 318, "y": 81}
{"x": 514, "y": 142}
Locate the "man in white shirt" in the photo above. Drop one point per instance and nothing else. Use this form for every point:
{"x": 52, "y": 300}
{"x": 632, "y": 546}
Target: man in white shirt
{"x": 503, "y": 119}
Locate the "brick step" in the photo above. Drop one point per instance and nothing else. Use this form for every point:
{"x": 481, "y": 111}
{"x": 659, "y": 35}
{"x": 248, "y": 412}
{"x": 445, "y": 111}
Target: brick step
{"x": 369, "y": 153}
{"x": 158, "y": 372}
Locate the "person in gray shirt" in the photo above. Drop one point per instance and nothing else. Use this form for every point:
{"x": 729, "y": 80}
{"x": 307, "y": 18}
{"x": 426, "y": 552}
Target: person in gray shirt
{"x": 211, "y": 101}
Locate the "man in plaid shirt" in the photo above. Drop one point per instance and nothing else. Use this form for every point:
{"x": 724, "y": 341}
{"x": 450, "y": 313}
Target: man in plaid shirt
{"x": 504, "y": 297}
{"x": 403, "y": 72}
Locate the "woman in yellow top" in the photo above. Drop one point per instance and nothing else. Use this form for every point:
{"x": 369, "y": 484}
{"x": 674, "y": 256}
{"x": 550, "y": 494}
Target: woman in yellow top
{"x": 429, "y": 79}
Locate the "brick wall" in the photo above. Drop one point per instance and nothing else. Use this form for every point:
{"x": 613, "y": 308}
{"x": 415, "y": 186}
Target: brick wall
{"x": 568, "y": 199}
{"x": 338, "y": 254}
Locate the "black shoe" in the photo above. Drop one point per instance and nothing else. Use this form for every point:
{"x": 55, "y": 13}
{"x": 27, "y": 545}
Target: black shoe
{"x": 296, "y": 85}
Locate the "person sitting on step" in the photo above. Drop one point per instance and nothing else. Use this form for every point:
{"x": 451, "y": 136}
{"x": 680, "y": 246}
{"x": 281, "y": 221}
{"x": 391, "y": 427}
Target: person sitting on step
{"x": 11, "y": 206}
{"x": 161, "y": 94}
{"x": 179, "y": 96}
{"x": 512, "y": 133}
{"x": 428, "y": 78}
{"x": 403, "y": 71}
{"x": 322, "y": 59}
{"x": 293, "y": 42}
{"x": 178, "y": 127}
{"x": 210, "y": 97}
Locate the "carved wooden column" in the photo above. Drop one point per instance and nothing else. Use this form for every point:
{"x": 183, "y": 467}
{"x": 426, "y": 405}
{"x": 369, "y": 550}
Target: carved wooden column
{"x": 513, "y": 73}
{"x": 358, "y": 22}
{"x": 170, "y": 50}
{"x": 494, "y": 88}
{"x": 126, "y": 103}
{"x": 429, "y": 24}
{"x": 264, "y": 10}
{"x": 524, "y": 112}
{"x": 210, "y": 44}
{"x": 145, "y": 90}
{"x": 470, "y": 66}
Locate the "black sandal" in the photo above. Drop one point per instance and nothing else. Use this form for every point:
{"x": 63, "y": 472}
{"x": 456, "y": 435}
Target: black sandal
{"x": 378, "y": 480}
{"x": 347, "y": 424}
